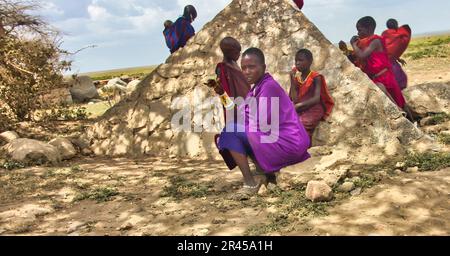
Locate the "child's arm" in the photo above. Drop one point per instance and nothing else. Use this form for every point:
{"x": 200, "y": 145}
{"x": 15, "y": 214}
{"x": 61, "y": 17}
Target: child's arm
{"x": 375, "y": 45}
{"x": 293, "y": 91}
{"x": 303, "y": 106}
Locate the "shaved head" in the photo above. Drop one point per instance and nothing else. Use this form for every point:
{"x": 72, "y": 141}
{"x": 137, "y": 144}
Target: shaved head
{"x": 229, "y": 43}
{"x": 392, "y": 24}
{"x": 231, "y": 48}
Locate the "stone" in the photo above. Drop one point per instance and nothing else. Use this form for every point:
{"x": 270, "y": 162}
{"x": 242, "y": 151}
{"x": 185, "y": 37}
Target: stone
{"x": 347, "y": 187}
{"x": 86, "y": 152}
{"x": 75, "y": 226}
{"x": 32, "y": 151}
{"x": 398, "y": 172}
{"x": 125, "y": 227}
{"x": 400, "y": 165}
{"x": 80, "y": 142}
{"x": 356, "y": 192}
{"x": 58, "y": 96}
{"x": 318, "y": 191}
{"x": 82, "y": 89}
{"x": 263, "y": 191}
{"x": 414, "y": 169}
{"x": 8, "y": 136}
{"x": 428, "y": 98}
{"x": 426, "y": 121}
{"x": 131, "y": 87}
{"x": 65, "y": 148}
{"x": 217, "y": 221}
{"x": 320, "y": 151}
{"x": 353, "y": 173}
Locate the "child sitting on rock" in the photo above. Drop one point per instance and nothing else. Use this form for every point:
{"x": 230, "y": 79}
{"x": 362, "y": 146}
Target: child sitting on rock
{"x": 309, "y": 92}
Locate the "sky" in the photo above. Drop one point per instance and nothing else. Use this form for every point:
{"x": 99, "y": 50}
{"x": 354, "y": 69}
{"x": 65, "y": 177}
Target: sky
{"x": 128, "y": 33}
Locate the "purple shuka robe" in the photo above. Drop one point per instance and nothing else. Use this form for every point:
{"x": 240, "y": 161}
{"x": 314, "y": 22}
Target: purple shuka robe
{"x": 290, "y": 144}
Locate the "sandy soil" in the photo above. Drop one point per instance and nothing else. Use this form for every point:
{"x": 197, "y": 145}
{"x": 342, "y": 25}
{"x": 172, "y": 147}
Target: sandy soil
{"x": 189, "y": 197}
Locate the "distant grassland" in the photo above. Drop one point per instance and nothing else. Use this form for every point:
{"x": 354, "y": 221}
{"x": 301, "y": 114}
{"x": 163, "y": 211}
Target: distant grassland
{"x": 437, "y": 46}
{"x": 132, "y": 72}
{"x": 429, "y": 47}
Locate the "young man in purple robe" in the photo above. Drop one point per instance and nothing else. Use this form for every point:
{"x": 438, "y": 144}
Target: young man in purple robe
{"x": 269, "y": 131}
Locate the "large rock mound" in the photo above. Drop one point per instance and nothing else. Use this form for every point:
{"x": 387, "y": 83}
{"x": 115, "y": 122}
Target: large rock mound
{"x": 365, "y": 124}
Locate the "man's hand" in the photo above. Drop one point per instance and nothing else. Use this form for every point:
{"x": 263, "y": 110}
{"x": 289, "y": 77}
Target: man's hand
{"x": 219, "y": 90}
{"x": 212, "y": 83}
{"x": 343, "y": 46}
{"x": 293, "y": 72}
{"x": 299, "y": 108}
{"x": 354, "y": 40}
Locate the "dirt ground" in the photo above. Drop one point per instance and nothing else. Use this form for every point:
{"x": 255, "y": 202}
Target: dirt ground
{"x": 429, "y": 70}
{"x": 157, "y": 196}
{"x": 163, "y": 196}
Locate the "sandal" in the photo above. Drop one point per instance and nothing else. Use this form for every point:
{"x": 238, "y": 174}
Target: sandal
{"x": 246, "y": 192}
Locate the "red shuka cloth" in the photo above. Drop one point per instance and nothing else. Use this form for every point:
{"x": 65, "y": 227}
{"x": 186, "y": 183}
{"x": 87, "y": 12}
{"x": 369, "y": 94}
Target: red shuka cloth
{"x": 397, "y": 41}
{"x": 375, "y": 64}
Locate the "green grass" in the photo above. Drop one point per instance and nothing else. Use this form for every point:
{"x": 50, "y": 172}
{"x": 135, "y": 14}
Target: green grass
{"x": 100, "y": 195}
{"x": 428, "y": 161}
{"x": 438, "y": 118}
{"x": 292, "y": 206}
{"x": 97, "y": 109}
{"x": 12, "y": 165}
{"x": 444, "y": 138}
{"x": 366, "y": 181}
{"x": 429, "y": 47}
{"x": 180, "y": 188}
{"x": 132, "y": 72}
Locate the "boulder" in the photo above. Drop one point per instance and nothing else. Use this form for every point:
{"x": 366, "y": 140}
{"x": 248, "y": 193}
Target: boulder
{"x": 347, "y": 187}
{"x": 65, "y": 148}
{"x": 414, "y": 169}
{"x": 318, "y": 191}
{"x": 59, "y": 96}
{"x": 7, "y": 137}
{"x": 131, "y": 87}
{"x": 32, "y": 151}
{"x": 116, "y": 84}
{"x": 82, "y": 89}
{"x": 429, "y": 98}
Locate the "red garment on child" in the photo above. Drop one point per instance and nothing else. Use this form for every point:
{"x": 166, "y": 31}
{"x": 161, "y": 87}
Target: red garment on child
{"x": 376, "y": 64}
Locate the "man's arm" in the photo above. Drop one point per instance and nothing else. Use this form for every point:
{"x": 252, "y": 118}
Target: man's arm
{"x": 364, "y": 54}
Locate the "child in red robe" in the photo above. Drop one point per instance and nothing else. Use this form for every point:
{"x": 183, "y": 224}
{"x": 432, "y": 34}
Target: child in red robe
{"x": 370, "y": 50}
{"x": 397, "y": 41}
{"x": 309, "y": 92}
